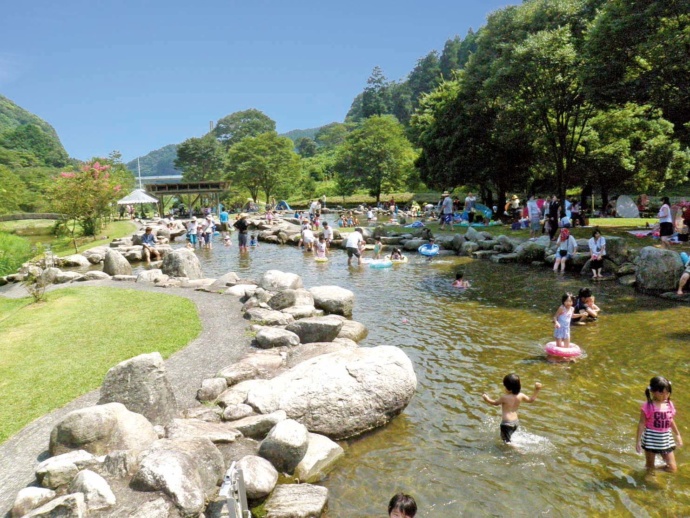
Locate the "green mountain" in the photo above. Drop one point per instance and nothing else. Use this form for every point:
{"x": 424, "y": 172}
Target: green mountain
{"x": 27, "y": 140}
{"x": 160, "y": 162}
{"x": 297, "y": 134}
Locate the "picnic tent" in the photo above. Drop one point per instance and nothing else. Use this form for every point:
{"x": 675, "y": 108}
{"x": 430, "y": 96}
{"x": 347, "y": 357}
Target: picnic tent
{"x": 137, "y": 197}
{"x": 626, "y": 207}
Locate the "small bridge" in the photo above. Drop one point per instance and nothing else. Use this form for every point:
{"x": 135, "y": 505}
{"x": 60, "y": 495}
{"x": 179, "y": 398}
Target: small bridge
{"x": 30, "y": 215}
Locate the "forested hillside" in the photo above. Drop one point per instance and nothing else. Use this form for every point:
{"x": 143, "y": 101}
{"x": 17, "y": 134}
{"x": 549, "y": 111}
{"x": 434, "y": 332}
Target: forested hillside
{"x": 160, "y": 162}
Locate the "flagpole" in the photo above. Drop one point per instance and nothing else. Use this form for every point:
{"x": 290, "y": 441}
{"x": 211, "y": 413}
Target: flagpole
{"x": 139, "y": 172}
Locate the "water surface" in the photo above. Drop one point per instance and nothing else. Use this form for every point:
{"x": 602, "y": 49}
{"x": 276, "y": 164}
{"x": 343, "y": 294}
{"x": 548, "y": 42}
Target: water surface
{"x": 574, "y": 453}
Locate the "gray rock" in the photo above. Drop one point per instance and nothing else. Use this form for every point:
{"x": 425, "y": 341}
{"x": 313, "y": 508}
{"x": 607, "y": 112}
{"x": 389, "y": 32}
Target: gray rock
{"x": 321, "y": 456}
{"x": 29, "y": 498}
{"x": 204, "y": 413}
{"x": 196, "y": 428}
{"x": 125, "y": 278}
{"x": 73, "y": 260}
{"x": 616, "y": 249}
{"x": 268, "y": 317}
{"x": 285, "y": 445}
{"x": 49, "y": 275}
{"x": 316, "y": 329}
{"x": 141, "y": 384}
{"x": 658, "y": 270}
{"x": 68, "y": 506}
{"x": 241, "y": 290}
{"x": 333, "y": 299}
{"x": 473, "y": 235}
{"x": 116, "y": 264}
{"x": 457, "y": 242}
{"x": 504, "y": 258}
{"x": 260, "y": 477}
{"x": 182, "y": 263}
{"x": 270, "y": 337}
{"x": 413, "y": 244}
{"x": 97, "y": 492}
{"x": 211, "y": 388}
{"x": 308, "y": 351}
{"x": 341, "y": 394}
{"x": 627, "y": 269}
{"x": 287, "y": 298}
{"x": 158, "y": 508}
{"x": 121, "y": 463}
{"x": 152, "y": 275}
{"x": 60, "y": 470}
{"x": 275, "y": 280}
{"x": 65, "y": 277}
{"x": 627, "y": 280}
{"x": 469, "y": 247}
{"x": 256, "y": 427}
{"x": 185, "y": 470}
{"x": 236, "y": 395}
{"x": 101, "y": 429}
{"x": 298, "y": 312}
{"x": 221, "y": 284}
{"x": 238, "y": 411}
{"x": 529, "y": 252}
{"x": 95, "y": 275}
{"x": 238, "y": 372}
{"x": 355, "y": 331}
{"x": 296, "y": 501}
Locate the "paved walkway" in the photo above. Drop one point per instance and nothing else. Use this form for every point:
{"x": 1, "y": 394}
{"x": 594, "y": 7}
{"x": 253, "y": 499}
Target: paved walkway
{"x": 222, "y": 342}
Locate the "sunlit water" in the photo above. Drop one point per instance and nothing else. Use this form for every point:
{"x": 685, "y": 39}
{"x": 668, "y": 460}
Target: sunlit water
{"x": 574, "y": 453}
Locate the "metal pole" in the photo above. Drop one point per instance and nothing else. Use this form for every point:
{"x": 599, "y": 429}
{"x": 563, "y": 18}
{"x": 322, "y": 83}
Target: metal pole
{"x": 139, "y": 172}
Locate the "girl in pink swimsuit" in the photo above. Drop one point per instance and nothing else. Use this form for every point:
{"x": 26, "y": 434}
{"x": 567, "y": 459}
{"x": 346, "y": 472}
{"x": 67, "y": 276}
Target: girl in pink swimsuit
{"x": 656, "y": 424}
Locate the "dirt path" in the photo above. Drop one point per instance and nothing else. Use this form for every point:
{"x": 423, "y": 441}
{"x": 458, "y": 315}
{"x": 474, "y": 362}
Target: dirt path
{"x": 222, "y": 341}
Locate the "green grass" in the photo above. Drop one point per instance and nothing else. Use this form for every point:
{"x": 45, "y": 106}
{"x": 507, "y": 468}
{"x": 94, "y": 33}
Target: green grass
{"x": 14, "y": 251}
{"x": 55, "y": 351}
{"x": 39, "y": 232}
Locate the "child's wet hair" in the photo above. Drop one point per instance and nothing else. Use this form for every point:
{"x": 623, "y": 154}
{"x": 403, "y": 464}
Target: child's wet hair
{"x": 567, "y": 296}
{"x": 584, "y": 293}
{"x": 512, "y": 383}
{"x": 458, "y": 276}
{"x": 658, "y": 384}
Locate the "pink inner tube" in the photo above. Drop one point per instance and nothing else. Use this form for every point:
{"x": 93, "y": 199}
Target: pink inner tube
{"x": 564, "y": 352}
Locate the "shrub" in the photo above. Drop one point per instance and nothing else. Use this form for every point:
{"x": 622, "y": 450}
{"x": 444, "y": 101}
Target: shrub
{"x": 14, "y": 251}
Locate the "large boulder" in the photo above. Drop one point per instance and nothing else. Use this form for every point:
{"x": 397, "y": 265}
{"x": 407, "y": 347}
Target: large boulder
{"x": 29, "y": 498}
{"x": 275, "y": 280}
{"x": 296, "y": 501}
{"x": 529, "y": 252}
{"x": 196, "y": 428}
{"x": 320, "y": 458}
{"x": 616, "y": 249}
{"x": 101, "y": 429}
{"x": 142, "y": 385}
{"x": 316, "y": 329}
{"x": 285, "y": 445}
{"x": 341, "y": 394}
{"x": 260, "y": 477}
{"x": 353, "y": 330}
{"x": 65, "y": 277}
{"x": 68, "y": 506}
{"x": 222, "y": 283}
{"x": 268, "y": 317}
{"x": 211, "y": 388}
{"x": 73, "y": 260}
{"x": 182, "y": 263}
{"x": 288, "y": 298}
{"x": 258, "y": 426}
{"x": 269, "y": 337}
{"x": 152, "y": 275}
{"x": 658, "y": 270}
{"x": 116, "y": 264}
{"x": 49, "y": 276}
{"x": 97, "y": 492}
{"x": 469, "y": 247}
{"x": 185, "y": 470}
{"x": 473, "y": 235}
{"x": 333, "y": 299}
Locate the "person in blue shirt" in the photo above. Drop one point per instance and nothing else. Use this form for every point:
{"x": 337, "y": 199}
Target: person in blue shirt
{"x": 224, "y": 220}
{"x": 148, "y": 242}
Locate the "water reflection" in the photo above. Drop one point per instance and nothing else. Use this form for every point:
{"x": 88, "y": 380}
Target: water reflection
{"x": 574, "y": 453}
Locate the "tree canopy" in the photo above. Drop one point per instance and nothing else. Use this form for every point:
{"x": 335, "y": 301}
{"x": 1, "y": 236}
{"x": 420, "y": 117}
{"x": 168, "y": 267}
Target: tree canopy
{"x": 232, "y": 128}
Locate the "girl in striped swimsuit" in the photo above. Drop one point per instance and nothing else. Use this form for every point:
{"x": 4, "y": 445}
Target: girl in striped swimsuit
{"x": 656, "y": 424}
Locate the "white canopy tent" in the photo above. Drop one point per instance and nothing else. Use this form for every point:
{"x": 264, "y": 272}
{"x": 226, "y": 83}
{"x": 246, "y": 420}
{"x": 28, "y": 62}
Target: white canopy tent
{"x": 137, "y": 196}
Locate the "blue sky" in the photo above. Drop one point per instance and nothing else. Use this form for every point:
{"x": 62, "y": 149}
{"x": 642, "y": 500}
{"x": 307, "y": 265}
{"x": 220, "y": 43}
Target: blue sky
{"x": 137, "y": 75}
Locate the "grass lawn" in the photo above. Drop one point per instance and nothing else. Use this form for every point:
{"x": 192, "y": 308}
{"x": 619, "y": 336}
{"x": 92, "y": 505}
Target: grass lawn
{"x": 54, "y": 351}
{"x": 40, "y": 231}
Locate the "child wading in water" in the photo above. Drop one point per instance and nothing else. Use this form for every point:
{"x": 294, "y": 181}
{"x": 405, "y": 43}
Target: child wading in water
{"x": 460, "y": 282}
{"x": 510, "y": 402}
{"x": 561, "y": 321}
{"x": 377, "y": 248}
{"x": 656, "y": 424}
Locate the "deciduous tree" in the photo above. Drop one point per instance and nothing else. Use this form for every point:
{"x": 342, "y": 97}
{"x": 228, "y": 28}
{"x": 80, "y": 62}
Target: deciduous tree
{"x": 232, "y": 128}
{"x": 200, "y": 159}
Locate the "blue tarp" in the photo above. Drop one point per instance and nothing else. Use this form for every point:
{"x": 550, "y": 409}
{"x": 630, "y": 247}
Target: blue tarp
{"x": 283, "y": 205}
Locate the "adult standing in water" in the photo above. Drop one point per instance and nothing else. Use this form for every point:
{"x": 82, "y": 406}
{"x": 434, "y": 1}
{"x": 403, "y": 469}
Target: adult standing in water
{"x": 224, "y": 218}
{"x": 241, "y": 225}
{"x": 352, "y": 245}
{"x": 534, "y": 215}
{"x": 554, "y": 212}
{"x": 597, "y": 247}
{"x": 446, "y": 210}
{"x": 665, "y": 222}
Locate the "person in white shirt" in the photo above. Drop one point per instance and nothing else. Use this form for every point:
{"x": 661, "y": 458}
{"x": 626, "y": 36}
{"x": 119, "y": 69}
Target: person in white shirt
{"x": 470, "y": 202}
{"x": 352, "y": 245}
{"x": 665, "y": 222}
{"x": 534, "y": 217}
{"x": 446, "y": 210}
{"x": 327, "y": 233}
{"x": 308, "y": 239}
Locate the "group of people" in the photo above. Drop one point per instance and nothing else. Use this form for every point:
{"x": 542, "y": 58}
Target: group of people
{"x": 566, "y": 248}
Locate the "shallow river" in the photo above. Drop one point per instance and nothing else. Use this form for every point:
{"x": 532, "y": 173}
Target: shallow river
{"x": 574, "y": 453}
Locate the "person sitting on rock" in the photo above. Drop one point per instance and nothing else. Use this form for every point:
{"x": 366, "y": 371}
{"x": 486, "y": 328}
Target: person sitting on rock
{"x": 148, "y": 242}
{"x": 684, "y": 279}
